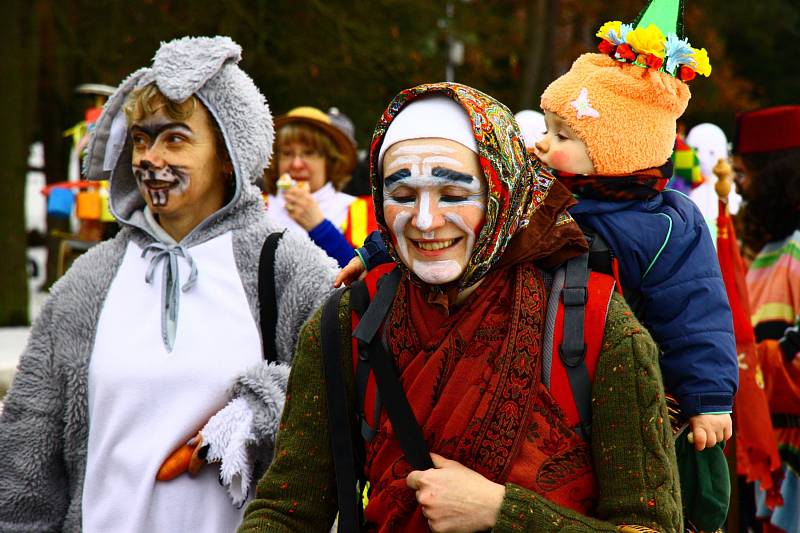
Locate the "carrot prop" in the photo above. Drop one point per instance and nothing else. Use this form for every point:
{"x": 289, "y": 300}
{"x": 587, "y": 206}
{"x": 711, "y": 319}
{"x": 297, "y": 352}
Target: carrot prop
{"x": 177, "y": 463}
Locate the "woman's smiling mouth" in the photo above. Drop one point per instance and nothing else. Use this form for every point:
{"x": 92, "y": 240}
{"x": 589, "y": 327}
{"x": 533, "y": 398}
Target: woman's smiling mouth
{"x": 435, "y": 246}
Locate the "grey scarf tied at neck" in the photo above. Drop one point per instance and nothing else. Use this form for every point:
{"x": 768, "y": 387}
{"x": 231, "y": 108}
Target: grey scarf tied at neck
{"x": 170, "y": 295}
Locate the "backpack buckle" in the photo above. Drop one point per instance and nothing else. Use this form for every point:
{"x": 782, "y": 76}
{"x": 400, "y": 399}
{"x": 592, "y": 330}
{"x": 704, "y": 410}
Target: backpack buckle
{"x": 572, "y": 356}
{"x": 575, "y": 296}
{"x": 363, "y": 352}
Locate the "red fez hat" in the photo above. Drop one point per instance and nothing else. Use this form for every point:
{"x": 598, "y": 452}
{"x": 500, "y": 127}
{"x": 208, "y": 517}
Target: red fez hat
{"x": 767, "y": 130}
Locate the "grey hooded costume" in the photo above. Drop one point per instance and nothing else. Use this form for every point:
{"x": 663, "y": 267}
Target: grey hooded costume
{"x": 45, "y": 426}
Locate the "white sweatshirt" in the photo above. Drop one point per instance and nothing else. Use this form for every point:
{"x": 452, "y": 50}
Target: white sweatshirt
{"x": 144, "y": 401}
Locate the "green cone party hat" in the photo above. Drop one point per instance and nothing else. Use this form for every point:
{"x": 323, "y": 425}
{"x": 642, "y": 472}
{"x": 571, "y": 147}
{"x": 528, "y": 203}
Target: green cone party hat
{"x": 667, "y": 15}
{"x": 655, "y": 40}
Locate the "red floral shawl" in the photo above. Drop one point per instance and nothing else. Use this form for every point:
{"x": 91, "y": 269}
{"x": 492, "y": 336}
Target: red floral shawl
{"x": 473, "y": 381}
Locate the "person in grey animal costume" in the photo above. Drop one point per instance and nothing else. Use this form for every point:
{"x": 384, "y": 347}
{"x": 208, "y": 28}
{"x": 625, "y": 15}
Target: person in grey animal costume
{"x": 153, "y": 336}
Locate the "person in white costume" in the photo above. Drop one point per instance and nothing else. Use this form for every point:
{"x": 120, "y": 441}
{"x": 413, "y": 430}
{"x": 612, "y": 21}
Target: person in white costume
{"x": 711, "y": 145}
{"x": 151, "y": 341}
{"x": 531, "y": 124}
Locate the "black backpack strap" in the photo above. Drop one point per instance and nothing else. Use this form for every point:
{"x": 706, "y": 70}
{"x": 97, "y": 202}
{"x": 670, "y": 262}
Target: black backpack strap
{"x": 405, "y": 425}
{"x": 601, "y": 256}
{"x": 372, "y": 319}
{"x": 339, "y": 426}
{"x": 268, "y": 301}
{"x": 573, "y": 348}
{"x": 359, "y": 303}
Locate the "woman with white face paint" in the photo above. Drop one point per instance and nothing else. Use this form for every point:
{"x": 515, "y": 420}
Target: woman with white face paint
{"x": 434, "y": 201}
{"x": 478, "y": 231}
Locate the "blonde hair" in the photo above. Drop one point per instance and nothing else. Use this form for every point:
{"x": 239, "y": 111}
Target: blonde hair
{"x": 315, "y": 139}
{"x": 148, "y": 100}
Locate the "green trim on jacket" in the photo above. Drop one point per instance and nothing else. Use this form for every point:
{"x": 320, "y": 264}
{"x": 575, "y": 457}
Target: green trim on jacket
{"x": 632, "y": 445}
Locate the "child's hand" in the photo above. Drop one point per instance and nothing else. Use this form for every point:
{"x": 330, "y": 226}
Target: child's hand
{"x": 708, "y": 430}
{"x": 349, "y": 273}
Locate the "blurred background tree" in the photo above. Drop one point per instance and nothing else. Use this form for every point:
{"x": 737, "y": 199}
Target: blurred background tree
{"x": 352, "y": 54}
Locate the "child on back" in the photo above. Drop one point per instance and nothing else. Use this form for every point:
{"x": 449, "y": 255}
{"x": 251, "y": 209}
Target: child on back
{"x": 611, "y": 125}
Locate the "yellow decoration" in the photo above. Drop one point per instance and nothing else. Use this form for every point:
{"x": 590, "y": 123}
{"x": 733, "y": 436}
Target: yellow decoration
{"x": 742, "y": 361}
{"x": 365, "y": 495}
{"x": 77, "y": 132}
{"x": 701, "y": 63}
{"x": 606, "y": 28}
{"x": 105, "y": 210}
{"x": 647, "y": 40}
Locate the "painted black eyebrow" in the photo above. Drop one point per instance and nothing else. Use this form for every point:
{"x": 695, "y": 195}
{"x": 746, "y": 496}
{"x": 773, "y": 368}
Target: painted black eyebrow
{"x": 403, "y": 173}
{"x": 454, "y": 175}
{"x": 155, "y": 130}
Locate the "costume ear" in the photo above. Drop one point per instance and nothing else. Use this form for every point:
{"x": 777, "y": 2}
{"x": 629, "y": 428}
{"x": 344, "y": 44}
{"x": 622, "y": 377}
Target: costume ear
{"x": 182, "y": 67}
{"x": 111, "y": 131}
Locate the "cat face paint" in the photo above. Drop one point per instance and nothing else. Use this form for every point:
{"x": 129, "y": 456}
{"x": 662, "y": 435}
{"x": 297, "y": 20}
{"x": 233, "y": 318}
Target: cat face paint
{"x": 175, "y": 163}
{"x": 158, "y": 182}
{"x": 434, "y": 203}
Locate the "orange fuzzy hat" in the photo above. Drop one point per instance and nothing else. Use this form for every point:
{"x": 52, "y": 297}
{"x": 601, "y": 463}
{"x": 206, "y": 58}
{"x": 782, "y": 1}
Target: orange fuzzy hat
{"x": 624, "y": 102}
{"x": 625, "y": 114}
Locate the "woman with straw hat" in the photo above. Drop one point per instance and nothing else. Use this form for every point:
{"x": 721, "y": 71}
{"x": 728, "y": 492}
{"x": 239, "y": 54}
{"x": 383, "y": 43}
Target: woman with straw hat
{"x": 313, "y": 162}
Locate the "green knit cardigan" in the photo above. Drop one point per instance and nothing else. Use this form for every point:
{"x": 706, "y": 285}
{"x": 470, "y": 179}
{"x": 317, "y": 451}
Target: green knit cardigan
{"x": 632, "y": 445}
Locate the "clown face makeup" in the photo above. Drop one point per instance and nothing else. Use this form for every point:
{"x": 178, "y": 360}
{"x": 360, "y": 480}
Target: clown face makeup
{"x": 434, "y": 202}
{"x": 176, "y": 166}
{"x": 562, "y": 149}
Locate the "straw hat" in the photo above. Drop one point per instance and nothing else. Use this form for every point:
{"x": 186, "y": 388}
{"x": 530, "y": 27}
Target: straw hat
{"x": 320, "y": 120}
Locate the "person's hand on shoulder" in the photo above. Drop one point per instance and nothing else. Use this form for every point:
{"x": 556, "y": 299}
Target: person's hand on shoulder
{"x": 351, "y": 272}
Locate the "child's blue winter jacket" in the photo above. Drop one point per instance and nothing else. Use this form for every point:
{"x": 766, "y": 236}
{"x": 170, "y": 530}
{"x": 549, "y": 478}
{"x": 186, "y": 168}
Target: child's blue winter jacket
{"x": 665, "y": 253}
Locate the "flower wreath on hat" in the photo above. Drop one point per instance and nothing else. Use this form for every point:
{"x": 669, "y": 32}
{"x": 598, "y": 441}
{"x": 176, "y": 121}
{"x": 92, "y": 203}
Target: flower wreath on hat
{"x": 645, "y": 45}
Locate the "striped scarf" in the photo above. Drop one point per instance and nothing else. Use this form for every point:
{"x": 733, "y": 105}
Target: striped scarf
{"x": 641, "y": 185}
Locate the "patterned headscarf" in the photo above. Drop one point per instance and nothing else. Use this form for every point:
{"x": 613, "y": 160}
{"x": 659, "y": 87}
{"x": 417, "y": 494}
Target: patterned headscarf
{"x": 517, "y": 184}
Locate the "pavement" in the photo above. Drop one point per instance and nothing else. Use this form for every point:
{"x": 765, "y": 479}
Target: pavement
{"x": 13, "y": 340}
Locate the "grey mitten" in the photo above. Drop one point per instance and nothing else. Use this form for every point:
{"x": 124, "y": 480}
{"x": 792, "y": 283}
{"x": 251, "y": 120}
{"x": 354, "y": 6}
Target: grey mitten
{"x": 228, "y": 434}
